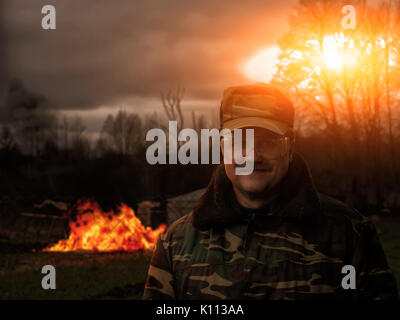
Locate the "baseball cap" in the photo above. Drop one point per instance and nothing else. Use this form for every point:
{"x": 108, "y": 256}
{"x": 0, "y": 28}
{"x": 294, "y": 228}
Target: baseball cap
{"x": 256, "y": 105}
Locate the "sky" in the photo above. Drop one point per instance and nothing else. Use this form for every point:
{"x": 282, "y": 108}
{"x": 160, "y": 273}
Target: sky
{"x": 105, "y": 55}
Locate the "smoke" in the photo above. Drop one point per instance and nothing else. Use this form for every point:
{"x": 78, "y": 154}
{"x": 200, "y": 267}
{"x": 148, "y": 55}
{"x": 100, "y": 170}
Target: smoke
{"x": 26, "y": 115}
{"x": 19, "y": 103}
{"x": 19, "y": 97}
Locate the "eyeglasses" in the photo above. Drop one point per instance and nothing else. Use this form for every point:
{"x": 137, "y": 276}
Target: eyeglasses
{"x": 273, "y": 148}
{"x": 270, "y": 148}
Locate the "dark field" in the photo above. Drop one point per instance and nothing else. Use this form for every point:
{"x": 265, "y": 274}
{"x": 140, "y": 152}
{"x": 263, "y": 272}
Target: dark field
{"x": 80, "y": 275}
{"x": 389, "y": 233}
{"x": 86, "y": 275}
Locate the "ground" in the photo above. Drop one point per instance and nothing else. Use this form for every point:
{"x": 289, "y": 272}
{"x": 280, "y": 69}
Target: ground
{"x": 389, "y": 233}
{"x": 84, "y": 275}
{"x": 80, "y": 275}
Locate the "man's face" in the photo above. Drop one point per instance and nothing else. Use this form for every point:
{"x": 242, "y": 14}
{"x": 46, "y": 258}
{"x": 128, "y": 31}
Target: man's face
{"x": 272, "y": 155}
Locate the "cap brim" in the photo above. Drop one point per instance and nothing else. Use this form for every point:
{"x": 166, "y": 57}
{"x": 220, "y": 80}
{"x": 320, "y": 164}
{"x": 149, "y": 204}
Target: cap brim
{"x": 275, "y": 126}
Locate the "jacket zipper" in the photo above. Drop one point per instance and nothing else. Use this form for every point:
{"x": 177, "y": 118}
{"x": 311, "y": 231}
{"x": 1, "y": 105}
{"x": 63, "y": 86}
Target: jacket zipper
{"x": 246, "y": 234}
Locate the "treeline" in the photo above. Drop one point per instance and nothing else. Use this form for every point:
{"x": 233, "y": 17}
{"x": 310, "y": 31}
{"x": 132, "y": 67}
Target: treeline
{"x": 46, "y": 155}
{"x": 29, "y": 125}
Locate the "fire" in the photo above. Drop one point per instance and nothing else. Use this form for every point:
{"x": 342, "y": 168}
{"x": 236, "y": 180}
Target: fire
{"x": 96, "y": 230}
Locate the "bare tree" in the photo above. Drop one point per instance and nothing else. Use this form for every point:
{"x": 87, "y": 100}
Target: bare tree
{"x": 171, "y": 102}
{"x": 65, "y": 132}
{"x": 123, "y": 133}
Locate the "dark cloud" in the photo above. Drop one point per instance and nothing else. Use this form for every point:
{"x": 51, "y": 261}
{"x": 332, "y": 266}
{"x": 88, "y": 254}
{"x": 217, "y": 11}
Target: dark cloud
{"x": 18, "y": 97}
{"x": 104, "y": 50}
{"x": 19, "y": 103}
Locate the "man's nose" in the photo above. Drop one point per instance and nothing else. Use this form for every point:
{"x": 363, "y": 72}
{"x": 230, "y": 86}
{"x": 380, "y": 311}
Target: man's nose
{"x": 258, "y": 155}
{"x": 258, "y": 147}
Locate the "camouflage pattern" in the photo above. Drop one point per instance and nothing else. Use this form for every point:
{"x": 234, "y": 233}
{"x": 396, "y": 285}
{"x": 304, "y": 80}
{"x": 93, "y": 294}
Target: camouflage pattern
{"x": 292, "y": 251}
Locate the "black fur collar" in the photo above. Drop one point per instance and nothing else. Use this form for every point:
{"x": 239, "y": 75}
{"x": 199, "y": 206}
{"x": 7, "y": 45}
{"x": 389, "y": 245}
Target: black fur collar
{"x": 218, "y": 206}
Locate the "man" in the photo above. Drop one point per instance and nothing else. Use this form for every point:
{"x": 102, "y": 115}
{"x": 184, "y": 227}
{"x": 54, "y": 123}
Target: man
{"x": 269, "y": 234}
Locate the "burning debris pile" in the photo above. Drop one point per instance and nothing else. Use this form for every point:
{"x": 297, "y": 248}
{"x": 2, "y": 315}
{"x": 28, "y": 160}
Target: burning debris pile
{"x": 95, "y": 230}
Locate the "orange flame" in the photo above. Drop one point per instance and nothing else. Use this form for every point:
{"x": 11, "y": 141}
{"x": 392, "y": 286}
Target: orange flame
{"x": 96, "y": 230}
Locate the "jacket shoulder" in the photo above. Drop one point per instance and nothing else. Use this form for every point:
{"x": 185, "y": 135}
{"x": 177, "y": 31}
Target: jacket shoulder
{"x": 345, "y": 219}
{"x": 338, "y": 210}
{"x": 180, "y": 228}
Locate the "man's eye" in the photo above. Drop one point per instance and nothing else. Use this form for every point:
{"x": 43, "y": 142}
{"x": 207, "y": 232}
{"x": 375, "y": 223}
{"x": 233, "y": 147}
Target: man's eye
{"x": 272, "y": 144}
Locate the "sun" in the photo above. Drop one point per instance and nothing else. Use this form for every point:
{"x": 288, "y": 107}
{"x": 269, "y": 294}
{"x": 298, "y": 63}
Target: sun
{"x": 261, "y": 66}
{"x": 338, "y": 52}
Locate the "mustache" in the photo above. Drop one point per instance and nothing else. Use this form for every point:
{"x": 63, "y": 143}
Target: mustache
{"x": 263, "y": 167}
{"x": 259, "y": 165}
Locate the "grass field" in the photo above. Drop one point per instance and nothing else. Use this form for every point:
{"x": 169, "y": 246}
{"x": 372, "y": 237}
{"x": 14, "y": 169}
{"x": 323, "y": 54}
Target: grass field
{"x": 389, "y": 233}
{"x": 80, "y": 275}
{"x": 83, "y": 275}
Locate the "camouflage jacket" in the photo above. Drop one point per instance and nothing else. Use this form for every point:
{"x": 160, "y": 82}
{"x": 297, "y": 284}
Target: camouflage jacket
{"x": 295, "y": 250}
